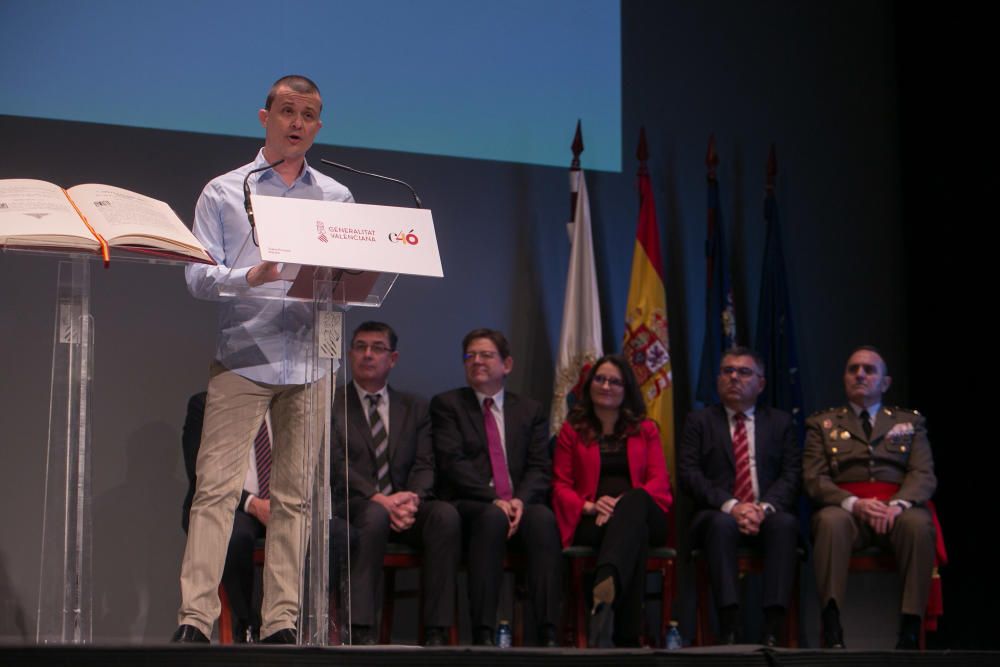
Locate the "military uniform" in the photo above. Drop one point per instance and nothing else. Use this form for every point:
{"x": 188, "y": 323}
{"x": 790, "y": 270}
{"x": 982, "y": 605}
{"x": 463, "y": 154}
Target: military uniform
{"x": 898, "y": 452}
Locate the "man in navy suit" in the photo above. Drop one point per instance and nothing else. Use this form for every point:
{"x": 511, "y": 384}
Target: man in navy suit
{"x": 492, "y": 453}
{"x": 741, "y": 465}
{"x": 391, "y": 486}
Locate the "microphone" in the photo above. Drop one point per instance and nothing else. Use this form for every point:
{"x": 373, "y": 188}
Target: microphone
{"x": 413, "y": 192}
{"x": 246, "y": 196}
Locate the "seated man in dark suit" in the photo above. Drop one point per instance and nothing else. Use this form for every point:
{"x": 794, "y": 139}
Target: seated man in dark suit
{"x": 741, "y": 465}
{"x": 494, "y": 466}
{"x": 870, "y": 473}
{"x": 390, "y": 487}
{"x": 249, "y": 521}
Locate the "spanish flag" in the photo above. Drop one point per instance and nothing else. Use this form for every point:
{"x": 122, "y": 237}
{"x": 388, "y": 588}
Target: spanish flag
{"x": 647, "y": 342}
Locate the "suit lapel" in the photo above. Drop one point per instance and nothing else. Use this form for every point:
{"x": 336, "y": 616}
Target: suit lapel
{"x": 883, "y": 423}
{"x": 357, "y": 417}
{"x": 397, "y": 414}
{"x": 721, "y": 424}
{"x": 761, "y": 436}
{"x": 475, "y": 414}
{"x": 851, "y": 423}
{"x": 510, "y": 433}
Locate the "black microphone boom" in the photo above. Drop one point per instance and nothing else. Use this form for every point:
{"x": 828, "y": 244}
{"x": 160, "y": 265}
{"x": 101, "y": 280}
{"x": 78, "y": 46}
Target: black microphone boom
{"x": 246, "y": 195}
{"x": 413, "y": 192}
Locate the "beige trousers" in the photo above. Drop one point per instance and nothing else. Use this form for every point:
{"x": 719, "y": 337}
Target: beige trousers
{"x": 234, "y": 411}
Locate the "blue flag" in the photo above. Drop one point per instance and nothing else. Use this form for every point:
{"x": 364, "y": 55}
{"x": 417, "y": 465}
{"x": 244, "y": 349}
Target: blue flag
{"x": 775, "y": 334}
{"x": 720, "y": 316}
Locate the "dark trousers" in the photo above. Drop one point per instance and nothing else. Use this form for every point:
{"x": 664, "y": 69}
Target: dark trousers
{"x": 718, "y": 535}
{"x": 238, "y": 574}
{"x": 623, "y": 545}
{"x": 436, "y": 533}
{"x": 484, "y": 530}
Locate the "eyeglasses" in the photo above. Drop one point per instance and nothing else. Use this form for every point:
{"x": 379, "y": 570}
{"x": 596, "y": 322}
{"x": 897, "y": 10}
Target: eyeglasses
{"x": 608, "y": 380}
{"x": 742, "y": 371}
{"x": 869, "y": 369}
{"x": 377, "y": 349}
{"x": 485, "y": 355}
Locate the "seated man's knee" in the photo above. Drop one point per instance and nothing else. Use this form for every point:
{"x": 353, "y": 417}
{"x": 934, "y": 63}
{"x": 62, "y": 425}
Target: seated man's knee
{"x": 916, "y": 522}
{"x": 832, "y": 520}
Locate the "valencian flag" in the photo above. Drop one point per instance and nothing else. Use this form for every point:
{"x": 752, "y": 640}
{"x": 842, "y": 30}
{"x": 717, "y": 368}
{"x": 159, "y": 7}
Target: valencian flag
{"x": 580, "y": 342}
{"x": 720, "y": 317}
{"x": 775, "y": 334}
{"x": 647, "y": 344}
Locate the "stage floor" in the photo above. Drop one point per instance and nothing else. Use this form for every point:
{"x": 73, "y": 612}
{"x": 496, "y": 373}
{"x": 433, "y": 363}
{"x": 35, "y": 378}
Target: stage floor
{"x": 382, "y": 656}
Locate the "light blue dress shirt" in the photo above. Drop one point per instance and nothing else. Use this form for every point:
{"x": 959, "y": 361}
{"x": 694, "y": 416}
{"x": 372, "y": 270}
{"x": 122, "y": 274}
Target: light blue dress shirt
{"x": 266, "y": 340}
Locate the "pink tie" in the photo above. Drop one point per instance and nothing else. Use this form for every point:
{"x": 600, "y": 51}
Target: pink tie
{"x": 501, "y": 478}
{"x": 743, "y": 488}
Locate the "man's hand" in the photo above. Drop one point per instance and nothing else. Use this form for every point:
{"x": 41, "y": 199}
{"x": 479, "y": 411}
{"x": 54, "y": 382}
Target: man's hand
{"x": 260, "y": 509}
{"x": 748, "y": 517}
{"x": 265, "y": 272}
{"x": 877, "y": 514}
{"x": 514, "y": 509}
{"x": 402, "y": 508}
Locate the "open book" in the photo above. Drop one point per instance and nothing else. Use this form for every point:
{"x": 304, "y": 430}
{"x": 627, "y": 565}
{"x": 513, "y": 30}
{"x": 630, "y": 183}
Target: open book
{"x": 92, "y": 218}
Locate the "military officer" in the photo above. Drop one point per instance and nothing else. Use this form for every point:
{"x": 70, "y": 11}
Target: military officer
{"x": 869, "y": 471}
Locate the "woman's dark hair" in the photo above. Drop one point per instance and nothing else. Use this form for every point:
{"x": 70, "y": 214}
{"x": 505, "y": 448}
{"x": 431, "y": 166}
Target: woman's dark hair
{"x": 633, "y": 410}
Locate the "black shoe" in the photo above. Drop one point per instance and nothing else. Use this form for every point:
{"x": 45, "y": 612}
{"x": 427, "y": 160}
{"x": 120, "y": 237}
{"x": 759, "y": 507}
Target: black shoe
{"x": 188, "y": 634}
{"x": 286, "y": 636}
{"x": 362, "y": 635}
{"x": 483, "y": 636}
{"x": 909, "y": 633}
{"x": 602, "y": 627}
{"x": 833, "y": 634}
{"x": 729, "y": 625}
{"x": 435, "y": 635}
{"x": 547, "y": 636}
{"x": 728, "y": 638}
{"x": 769, "y": 640}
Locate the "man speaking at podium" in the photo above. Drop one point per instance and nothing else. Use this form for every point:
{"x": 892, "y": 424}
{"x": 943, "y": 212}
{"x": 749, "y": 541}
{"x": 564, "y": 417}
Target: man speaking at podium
{"x": 260, "y": 363}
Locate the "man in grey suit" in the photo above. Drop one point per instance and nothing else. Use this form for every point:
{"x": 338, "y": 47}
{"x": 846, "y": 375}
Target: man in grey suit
{"x": 493, "y": 459}
{"x": 741, "y": 465}
{"x": 390, "y": 486}
{"x": 869, "y": 470}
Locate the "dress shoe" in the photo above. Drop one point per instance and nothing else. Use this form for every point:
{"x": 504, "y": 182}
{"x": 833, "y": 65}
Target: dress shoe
{"x": 188, "y": 634}
{"x": 547, "y": 636}
{"x": 435, "y": 635}
{"x": 286, "y": 636}
{"x": 769, "y": 640}
{"x": 833, "y": 634}
{"x": 483, "y": 636}
{"x": 602, "y": 627}
{"x": 362, "y": 635}
{"x": 909, "y": 633}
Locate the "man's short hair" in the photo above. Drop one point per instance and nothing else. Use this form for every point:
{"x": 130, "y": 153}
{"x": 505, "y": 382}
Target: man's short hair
{"x": 297, "y": 82}
{"x": 503, "y": 347}
{"x": 871, "y": 348}
{"x": 377, "y": 327}
{"x": 742, "y": 351}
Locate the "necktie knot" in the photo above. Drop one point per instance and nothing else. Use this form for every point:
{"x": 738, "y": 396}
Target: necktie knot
{"x": 487, "y": 403}
{"x": 374, "y": 399}
{"x": 739, "y": 417}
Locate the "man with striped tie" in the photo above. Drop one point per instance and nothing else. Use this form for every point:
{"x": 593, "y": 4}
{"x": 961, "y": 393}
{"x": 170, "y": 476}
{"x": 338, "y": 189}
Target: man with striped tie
{"x": 249, "y": 520}
{"x": 390, "y": 486}
{"x": 741, "y": 464}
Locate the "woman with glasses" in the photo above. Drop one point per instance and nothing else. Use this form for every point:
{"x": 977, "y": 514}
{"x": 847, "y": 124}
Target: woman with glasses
{"x": 612, "y": 492}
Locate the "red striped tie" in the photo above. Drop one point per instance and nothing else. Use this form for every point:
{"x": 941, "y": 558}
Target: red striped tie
{"x": 262, "y": 451}
{"x": 743, "y": 488}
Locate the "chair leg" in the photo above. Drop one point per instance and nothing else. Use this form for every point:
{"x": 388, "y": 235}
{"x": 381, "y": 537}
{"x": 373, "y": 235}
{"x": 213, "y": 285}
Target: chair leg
{"x": 702, "y": 634}
{"x": 225, "y": 618}
{"x": 579, "y": 604}
{"x": 388, "y": 605}
{"x": 666, "y": 599}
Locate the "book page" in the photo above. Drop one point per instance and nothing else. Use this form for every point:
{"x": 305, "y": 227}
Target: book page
{"x": 37, "y": 213}
{"x": 124, "y": 217}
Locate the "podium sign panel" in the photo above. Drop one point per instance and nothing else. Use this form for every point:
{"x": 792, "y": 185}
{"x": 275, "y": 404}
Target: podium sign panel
{"x": 347, "y": 236}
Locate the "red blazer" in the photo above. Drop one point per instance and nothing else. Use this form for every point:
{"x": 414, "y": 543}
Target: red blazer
{"x": 576, "y": 469}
